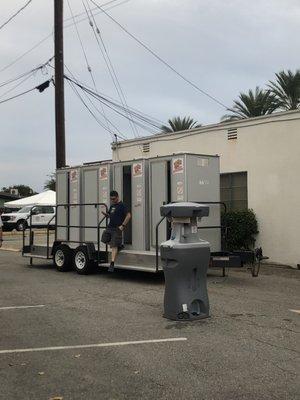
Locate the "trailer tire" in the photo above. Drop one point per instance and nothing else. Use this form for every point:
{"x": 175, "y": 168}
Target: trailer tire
{"x": 62, "y": 258}
{"x": 82, "y": 263}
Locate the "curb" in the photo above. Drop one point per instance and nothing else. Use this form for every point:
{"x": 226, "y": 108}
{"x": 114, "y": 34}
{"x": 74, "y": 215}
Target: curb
{"x": 20, "y": 234}
{"x": 10, "y": 249}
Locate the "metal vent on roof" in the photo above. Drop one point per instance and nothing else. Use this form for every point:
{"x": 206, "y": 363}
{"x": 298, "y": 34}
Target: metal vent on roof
{"x": 146, "y": 147}
{"x": 232, "y": 133}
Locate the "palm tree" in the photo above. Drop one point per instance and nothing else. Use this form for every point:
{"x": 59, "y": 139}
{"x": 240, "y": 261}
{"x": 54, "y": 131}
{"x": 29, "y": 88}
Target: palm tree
{"x": 50, "y": 183}
{"x": 180, "y": 124}
{"x": 286, "y": 89}
{"x": 252, "y": 104}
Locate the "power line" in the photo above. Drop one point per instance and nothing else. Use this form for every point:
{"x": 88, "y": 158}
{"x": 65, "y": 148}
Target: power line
{"x": 50, "y": 35}
{"x": 160, "y": 59}
{"x": 86, "y": 60}
{"x": 155, "y": 121}
{"x": 41, "y": 66}
{"x": 15, "y": 14}
{"x": 39, "y": 87}
{"x": 95, "y": 8}
{"x": 101, "y": 113}
{"x": 139, "y": 120}
{"x": 91, "y": 112}
{"x": 81, "y": 44}
{"x": 17, "y": 85}
{"x": 109, "y": 64}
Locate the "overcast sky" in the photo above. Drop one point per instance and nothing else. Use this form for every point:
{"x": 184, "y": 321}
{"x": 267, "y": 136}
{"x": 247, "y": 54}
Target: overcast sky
{"x": 223, "y": 46}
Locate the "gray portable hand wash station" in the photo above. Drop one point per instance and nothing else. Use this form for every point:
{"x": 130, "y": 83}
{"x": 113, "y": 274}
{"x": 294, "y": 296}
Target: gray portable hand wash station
{"x": 185, "y": 259}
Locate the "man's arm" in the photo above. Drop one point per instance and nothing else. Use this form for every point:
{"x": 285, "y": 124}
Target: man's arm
{"x": 126, "y": 220}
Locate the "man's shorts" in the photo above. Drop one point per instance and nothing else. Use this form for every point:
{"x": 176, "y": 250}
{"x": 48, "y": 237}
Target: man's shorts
{"x": 116, "y": 237}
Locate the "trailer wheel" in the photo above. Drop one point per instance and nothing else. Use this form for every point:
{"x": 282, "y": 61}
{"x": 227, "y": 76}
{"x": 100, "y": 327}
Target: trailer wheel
{"x": 63, "y": 258}
{"x": 83, "y": 264}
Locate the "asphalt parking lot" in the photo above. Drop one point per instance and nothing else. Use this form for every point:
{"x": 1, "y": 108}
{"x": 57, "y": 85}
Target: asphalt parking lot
{"x": 248, "y": 349}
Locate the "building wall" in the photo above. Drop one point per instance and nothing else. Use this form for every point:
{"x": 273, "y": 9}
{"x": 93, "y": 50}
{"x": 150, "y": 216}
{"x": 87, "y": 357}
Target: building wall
{"x": 268, "y": 149}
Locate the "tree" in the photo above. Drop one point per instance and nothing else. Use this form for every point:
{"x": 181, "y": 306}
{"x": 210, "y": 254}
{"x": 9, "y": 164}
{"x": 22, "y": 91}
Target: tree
{"x": 252, "y": 104}
{"x": 23, "y": 190}
{"x": 286, "y": 89}
{"x": 50, "y": 183}
{"x": 180, "y": 124}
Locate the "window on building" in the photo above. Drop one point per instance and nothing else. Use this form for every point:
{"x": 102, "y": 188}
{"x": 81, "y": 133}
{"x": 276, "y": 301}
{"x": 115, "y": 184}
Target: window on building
{"x": 234, "y": 192}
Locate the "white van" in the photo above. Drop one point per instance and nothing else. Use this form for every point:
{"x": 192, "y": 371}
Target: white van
{"x": 41, "y": 215}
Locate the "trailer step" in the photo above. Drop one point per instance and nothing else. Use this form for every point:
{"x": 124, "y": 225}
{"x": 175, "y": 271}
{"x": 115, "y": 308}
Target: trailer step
{"x": 32, "y": 255}
{"x": 143, "y": 260}
{"x": 142, "y": 268}
{"x": 36, "y": 251}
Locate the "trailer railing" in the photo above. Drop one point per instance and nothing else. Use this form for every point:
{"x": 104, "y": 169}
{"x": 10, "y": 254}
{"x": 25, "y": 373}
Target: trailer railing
{"x": 68, "y": 226}
{"x": 81, "y": 226}
{"x": 31, "y": 226}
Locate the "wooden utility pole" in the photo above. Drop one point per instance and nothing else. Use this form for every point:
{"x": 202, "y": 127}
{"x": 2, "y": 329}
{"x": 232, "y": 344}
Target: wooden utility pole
{"x": 59, "y": 85}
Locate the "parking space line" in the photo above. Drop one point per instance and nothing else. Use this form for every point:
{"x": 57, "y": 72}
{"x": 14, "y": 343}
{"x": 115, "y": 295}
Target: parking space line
{"x": 87, "y": 346}
{"x": 295, "y": 311}
{"x": 21, "y": 307}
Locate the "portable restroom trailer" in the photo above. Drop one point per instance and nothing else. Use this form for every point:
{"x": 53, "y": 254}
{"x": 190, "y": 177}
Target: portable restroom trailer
{"x": 185, "y": 177}
{"x": 143, "y": 185}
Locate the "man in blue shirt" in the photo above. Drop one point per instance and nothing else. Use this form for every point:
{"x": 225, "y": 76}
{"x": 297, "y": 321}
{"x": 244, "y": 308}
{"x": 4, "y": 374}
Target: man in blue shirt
{"x": 119, "y": 217}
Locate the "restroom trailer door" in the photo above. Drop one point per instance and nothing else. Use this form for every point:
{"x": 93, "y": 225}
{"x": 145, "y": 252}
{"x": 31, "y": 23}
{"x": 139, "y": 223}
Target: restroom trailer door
{"x": 104, "y": 191}
{"x": 90, "y": 214}
{"x": 158, "y": 195}
{"x": 139, "y": 207}
{"x": 74, "y": 198}
{"x": 62, "y": 197}
{"x": 203, "y": 184}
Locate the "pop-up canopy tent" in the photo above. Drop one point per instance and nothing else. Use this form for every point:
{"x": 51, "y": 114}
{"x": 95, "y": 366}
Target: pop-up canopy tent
{"x": 45, "y": 198}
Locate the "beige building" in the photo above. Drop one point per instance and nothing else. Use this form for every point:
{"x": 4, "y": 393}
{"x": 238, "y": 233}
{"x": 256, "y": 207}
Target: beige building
{"x": 260, "y": 169}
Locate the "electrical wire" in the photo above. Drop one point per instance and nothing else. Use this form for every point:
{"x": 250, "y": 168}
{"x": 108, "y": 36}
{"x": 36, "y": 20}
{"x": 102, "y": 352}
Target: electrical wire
{"x": 15, "y": 14}
{"x": 50, "y": 35}
{"x": 156, "y": 122}
{"x": 95, "y": 107}
{"x": 95, "y": 8}
{"x": 136, "y": 118}
{"x": 23, "y": 93}
{"x": 160, "y": 58}
{"x": 41, "y": 66}
{"x": 117, "y": 111}
{"x": 17, "y": 85}
{"x": 91, "y": 112}
{"x": 87, "y": 61}
{"x": 109, "y": 65}
{"x": 113, "y": 104}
